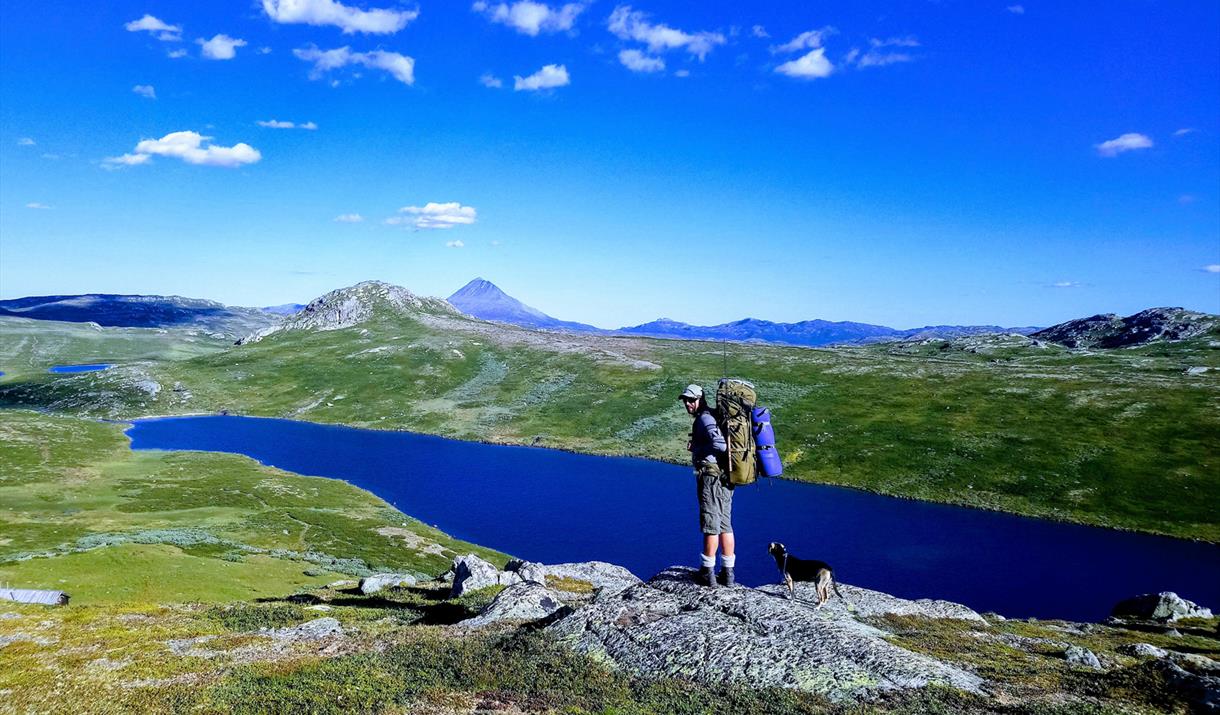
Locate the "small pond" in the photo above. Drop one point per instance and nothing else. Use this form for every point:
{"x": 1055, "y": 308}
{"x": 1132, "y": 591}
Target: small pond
{"x": 552, "y": 506}
{"x": 79, "y": 368}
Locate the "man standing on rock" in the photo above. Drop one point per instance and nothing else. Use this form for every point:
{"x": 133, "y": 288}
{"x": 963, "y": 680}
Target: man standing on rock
{"x": 708, "y": 451}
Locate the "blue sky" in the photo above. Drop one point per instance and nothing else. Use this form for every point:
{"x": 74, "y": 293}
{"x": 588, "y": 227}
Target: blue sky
{"x": 903, "y": 163}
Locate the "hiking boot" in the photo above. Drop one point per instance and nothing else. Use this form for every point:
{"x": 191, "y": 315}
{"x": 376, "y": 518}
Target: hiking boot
{"x": 725, "y": 577}
{"x": 705, "y": 577}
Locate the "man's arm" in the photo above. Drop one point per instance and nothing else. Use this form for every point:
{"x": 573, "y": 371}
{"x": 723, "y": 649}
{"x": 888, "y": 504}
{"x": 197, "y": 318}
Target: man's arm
{"x": 708, "y": 423}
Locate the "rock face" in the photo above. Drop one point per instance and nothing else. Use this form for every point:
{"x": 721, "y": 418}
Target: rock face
{"x": 1165, "y": 606}
{"x": 1111, "y": 331}
{"x": 377, "y": 582}
{"x": 606, "y": 579}
{"x": 670, "y": 626}
{"x": 521, "y": 602}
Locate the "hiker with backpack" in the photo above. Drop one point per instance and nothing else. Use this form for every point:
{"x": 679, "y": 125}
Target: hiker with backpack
{"x": 729, "y": 447}
{"x": 709, "y": 454}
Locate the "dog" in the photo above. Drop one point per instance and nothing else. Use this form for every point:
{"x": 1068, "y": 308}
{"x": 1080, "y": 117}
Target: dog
{"x": 792, "y": 569}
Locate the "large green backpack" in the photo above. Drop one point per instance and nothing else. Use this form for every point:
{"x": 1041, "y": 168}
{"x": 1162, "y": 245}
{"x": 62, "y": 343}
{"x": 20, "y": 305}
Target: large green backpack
{"x": 735, "y": 401}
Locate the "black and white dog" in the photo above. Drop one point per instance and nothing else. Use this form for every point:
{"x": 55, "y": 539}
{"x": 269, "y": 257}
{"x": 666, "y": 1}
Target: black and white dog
{"x": 792, "y": 569}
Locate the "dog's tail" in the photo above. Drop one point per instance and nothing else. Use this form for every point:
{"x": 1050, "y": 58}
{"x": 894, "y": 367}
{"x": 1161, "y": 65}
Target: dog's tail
{"x": 834, "y": 583}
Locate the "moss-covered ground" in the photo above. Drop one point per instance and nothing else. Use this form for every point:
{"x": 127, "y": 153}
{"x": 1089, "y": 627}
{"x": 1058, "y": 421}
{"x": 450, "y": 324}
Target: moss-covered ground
{"x": 400, "y": 653}
{"x": 1122, "y": 438}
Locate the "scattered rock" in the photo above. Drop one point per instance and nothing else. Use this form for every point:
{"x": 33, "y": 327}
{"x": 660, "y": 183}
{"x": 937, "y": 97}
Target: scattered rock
{"x": 471, "y": 573}
{"x": 1077, "y": 655}
{"x": 1198, "y": 370}
{"x": 1143, "y": 650}
{"x": 1163, "y": 606}
{"x": 521, "y": 602}
{"x": 309, "y": 631}
{"x": 377, "y": 582}
{"x": 671, "y": 627}
{"x": 527, "y": 570}
{"x": 318, "y": 607}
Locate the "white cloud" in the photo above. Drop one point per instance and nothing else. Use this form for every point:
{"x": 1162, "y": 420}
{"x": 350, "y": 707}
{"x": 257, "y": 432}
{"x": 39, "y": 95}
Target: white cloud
{"x": 682, "y": 73}
{"x": 435, "y": 215}
{"x": 807, "y": 40}
{"x": 628, "y": 24}
{"x": 637, "y": 61}
{"x": 812, "y": 65}
{"x": 36, "y": 205}
{"x": 879, "y": 56}
{"x": 1184, "y": 131}
{"x": 349, "y": 218}
{"x": 328, "y": 12}
{"x": 760, "y": 32}
{"x": 191, "y": 147}
{"x": 873, "y": 58}
{"x": 264, "y": 50}
{"x": 401, "y": 67}
{"x": 52, "y": 157}
{"x": 490, "y": 80}
{"x": 1187, "y": 199}
{"x": 1127, "y": 142}
{"x": 220, "y": 47}
{"x": 26, "y": 141}
{"x": 145, "y": 90}
{"x": 549, "y": 77}
{"x": 177, "y": 54}
{"x": 277, "y": 124}
{"x": 1211, "y": 268}
{"x": 454, "y": 244}
{"x": 1016, "y": 9}
{"x": 1065, "y": 284}
{"x": 163, "y": 30}
{"x": 531, "y": 18}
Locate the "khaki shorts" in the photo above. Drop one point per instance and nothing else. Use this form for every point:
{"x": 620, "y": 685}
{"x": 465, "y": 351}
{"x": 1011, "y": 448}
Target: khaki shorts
{"x": 715, "y": 499}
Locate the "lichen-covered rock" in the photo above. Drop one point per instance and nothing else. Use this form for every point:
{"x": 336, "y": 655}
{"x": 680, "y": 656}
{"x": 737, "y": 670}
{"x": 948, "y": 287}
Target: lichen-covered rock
{"x": 862, "y": 602}
{"x": 471, "y": 573}
{"x": 1143, "y": 650}
{"x": 671, "y": 627}
{"x": 377, "y": 582}
{"x": 607, "y": 579}
{"x": 527, "y": 570}
{"x": 521, "y": 602}
{"x": 1077, "y": 655}
{"x": 1201, "y": 691}
{"x": 316, "y": 629}
{"x": 1163, "y": 606}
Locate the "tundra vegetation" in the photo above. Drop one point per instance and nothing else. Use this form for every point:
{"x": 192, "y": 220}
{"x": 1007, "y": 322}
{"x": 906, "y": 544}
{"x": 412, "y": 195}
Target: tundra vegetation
{"x": 182, "y": 565}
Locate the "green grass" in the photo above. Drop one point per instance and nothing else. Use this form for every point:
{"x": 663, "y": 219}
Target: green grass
{"x": 81, "y": 512}
{"x": 1117, "y": 438}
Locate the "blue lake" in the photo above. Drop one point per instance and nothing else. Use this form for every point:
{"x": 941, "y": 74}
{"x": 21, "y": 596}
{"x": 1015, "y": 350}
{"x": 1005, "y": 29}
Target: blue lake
{"x": 551, "y": 506}
{"x": 80, "y": 368}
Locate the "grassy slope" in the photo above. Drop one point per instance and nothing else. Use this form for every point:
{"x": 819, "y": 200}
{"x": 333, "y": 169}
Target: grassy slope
{"x": 1116, "y": 438}
{"x": 81, "y": 512}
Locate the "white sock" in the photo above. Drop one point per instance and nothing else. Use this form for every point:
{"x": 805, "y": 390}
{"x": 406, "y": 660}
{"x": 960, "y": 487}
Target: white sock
{"x": 708, "y": 561}
{"x": 729, "y": 561}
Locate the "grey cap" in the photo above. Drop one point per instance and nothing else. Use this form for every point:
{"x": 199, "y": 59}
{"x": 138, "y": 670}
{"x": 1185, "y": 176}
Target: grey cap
{"x": 692, "y": 392}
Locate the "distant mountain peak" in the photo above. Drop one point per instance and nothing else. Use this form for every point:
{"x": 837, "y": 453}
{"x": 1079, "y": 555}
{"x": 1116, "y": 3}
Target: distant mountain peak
{"x": 1108, "y": 330}
{"x": 485, "y": 300}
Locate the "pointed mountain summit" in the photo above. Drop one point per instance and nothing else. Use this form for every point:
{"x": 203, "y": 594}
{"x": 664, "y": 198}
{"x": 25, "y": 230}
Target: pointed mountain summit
{"x": 356, "y": 304}
{"x": 483, "y": 299}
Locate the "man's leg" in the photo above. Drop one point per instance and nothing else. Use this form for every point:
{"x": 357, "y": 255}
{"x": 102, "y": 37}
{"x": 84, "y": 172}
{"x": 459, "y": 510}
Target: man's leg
{"x": 728, "y": 545}
{"x": 710, "y": 541}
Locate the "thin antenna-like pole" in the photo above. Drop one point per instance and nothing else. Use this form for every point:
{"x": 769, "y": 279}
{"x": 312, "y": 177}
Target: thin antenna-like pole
{"x": 724, "y": 350}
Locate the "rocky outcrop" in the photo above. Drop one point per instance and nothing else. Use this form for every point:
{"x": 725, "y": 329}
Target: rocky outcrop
{"x": 1112, "y": 331}
{"x": 1165, "y": 606}
{"x": 471, "y": 573}
{"x": 671, "y": 627}
{"x": 377, "y": 582}
{"x": 523, "y": 602}
{"x": 346, "y": 307}
{"x": 604, "y": 578}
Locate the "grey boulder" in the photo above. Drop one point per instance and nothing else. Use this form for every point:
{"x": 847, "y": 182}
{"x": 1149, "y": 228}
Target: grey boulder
{"x": 671, "y": 627}
{"x": 377, "y": 582}
{"x": 471, "y": 573}
{"x": 1163, "y": 606}
{"x": 1143, "y": 650}
{"x": 520, "y": 603}
{"x": 316, "y": 629}
{"x": 1077, "y": 655}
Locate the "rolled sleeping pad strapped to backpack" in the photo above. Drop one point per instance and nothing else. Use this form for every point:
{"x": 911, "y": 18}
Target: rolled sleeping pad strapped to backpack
{"x": 764, "y": 439}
